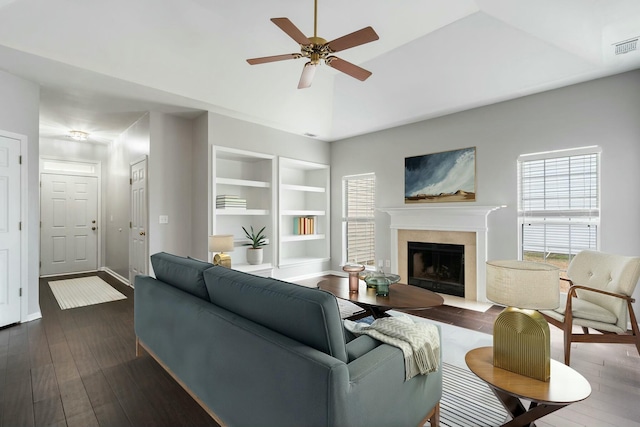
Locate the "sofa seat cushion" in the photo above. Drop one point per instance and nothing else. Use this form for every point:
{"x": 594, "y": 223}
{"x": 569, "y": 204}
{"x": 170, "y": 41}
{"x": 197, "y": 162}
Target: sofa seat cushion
{"x": 181, "y": 273}
{"x": 307, "y": 315}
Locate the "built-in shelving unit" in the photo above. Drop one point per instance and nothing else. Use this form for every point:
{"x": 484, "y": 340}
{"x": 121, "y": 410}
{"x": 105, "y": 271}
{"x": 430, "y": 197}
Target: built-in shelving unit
{"x": 250, "y": 177}
{"x": 303, "y": 191}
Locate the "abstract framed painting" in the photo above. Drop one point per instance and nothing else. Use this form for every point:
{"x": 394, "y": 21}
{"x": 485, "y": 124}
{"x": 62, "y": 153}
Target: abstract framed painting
{"x": 449, "y": 176}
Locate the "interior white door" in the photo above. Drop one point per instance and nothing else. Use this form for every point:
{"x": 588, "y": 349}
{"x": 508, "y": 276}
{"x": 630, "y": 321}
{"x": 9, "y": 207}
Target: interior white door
{"x": 69, "y": 215}
{"x": 9, "y": 231}
{"x": 138, "y": 244}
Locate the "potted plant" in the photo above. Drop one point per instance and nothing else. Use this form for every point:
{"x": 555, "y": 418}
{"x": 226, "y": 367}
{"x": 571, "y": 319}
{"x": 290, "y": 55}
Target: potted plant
{"x": 258, "y": 240}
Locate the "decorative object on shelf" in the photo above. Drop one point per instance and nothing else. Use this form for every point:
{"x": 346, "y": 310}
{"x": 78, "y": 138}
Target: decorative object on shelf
{"x": 521, "y": 339}
{"x": 354, "y": 277}
{"x": 221, "y": 243}
{"x": 255, "y": 252}
{"x": 449, "y": 176}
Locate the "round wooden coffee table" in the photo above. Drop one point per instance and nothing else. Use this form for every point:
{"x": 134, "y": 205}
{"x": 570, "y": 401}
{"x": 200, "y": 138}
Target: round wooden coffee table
{"x": 565, "y": 386}
{"x": 401, "y": 297}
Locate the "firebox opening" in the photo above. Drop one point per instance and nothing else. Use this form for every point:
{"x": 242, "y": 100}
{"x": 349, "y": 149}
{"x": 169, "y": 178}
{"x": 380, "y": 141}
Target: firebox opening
{"x": 437, "y": 267}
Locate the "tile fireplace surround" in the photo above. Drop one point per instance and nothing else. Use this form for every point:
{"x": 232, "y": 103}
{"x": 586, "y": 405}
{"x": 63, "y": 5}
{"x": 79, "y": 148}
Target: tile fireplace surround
{"x": 462, "y": 225}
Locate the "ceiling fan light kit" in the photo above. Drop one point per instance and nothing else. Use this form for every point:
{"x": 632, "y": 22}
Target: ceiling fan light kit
{"x": 317, "y": 49}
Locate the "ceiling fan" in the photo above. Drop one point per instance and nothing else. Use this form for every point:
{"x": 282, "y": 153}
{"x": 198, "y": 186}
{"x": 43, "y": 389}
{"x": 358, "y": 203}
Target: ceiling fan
{"x": 318, "y": 49}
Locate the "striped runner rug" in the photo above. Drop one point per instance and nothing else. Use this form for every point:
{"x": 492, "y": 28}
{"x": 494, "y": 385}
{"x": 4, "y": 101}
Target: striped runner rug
{"x": 72, "y": 293}
{"x": 467, "y": 401}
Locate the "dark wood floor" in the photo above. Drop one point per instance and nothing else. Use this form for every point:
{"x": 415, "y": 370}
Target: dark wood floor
{"x": 78, "y": 367}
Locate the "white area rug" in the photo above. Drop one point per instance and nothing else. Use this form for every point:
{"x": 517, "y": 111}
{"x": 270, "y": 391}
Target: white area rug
{"x": 72, "y": 293}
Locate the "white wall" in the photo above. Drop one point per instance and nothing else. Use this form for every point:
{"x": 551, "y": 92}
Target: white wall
{"x": 19, "y": 111}
{"x": 604, "y": 112}
{"x": 130, "y": 147}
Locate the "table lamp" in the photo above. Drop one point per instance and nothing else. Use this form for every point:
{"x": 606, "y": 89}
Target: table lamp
{"x": 521, "y": 338}
{"x": 221, "y": 243}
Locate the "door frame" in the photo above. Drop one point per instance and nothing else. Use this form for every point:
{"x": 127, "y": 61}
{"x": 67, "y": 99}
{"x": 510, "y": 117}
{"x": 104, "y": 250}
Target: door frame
{"x": 74, "y": 167}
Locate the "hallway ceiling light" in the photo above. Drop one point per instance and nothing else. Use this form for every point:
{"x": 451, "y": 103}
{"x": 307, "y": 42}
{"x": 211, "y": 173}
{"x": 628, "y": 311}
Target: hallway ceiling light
{"x": 78, "y": 135}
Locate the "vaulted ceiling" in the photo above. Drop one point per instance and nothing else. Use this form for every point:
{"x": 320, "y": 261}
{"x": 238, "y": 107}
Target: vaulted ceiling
{"x": 101, "y": 63}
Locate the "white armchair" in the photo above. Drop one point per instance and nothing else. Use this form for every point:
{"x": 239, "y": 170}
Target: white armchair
{"x": 600, "y": 298}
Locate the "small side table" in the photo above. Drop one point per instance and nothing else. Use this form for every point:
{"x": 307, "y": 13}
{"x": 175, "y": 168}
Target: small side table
{"x": 566, "y": 386}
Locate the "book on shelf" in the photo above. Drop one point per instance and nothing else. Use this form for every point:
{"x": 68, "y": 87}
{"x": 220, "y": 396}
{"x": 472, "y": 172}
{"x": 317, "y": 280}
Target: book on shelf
{"x": 226, "y": 201}
{"x": 303, "y": 225}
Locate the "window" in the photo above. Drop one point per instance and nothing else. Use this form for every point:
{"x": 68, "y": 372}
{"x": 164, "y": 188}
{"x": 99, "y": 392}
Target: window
{"x": 559, "y": 204}
{"x": 358, "y": 221}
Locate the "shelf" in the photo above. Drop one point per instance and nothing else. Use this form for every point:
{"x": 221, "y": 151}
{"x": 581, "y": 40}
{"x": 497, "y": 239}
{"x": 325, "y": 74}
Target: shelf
{"x": 289, "y": 262}
{"x": 247, "y": 212}
{"x": 250, "y": 268}
{"x": 303, "y": 212}
{"x": 242, "y": 182}
{"x": 301, "y": 237}
{"x": 246, "y": 242}
{"x": 306, "y": 188}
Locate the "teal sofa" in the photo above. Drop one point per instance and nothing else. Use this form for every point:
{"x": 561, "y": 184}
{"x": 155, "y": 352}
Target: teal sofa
{"x": 256, "y": 351}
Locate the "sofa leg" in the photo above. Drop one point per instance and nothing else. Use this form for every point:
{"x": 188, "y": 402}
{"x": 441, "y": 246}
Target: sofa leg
{"x": 433, "y": 417}
{"x": 138, "y": 347}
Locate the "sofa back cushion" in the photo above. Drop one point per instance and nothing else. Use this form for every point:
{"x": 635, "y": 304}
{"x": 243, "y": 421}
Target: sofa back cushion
{"x": 308, "y": 315}
{"x": 181, "y": 273}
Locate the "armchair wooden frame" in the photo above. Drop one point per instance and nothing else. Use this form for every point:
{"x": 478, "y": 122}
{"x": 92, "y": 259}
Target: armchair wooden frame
{"x": 631, "y": 337}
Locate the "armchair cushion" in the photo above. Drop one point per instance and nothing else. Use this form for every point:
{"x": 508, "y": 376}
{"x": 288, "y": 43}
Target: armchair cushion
{"x": 586, "y": 310}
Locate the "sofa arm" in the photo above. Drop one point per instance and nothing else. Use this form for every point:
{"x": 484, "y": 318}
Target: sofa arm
{"x": 379, "y": 394}
{"x": 360, "y": 346}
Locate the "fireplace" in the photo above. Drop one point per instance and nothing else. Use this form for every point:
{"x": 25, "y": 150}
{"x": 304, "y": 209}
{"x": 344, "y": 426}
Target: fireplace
{"x": 437, "y": 267}
{"x": 448, "y": 224}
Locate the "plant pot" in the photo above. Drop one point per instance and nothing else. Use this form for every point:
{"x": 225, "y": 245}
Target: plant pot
{"x": 254, "y": 256}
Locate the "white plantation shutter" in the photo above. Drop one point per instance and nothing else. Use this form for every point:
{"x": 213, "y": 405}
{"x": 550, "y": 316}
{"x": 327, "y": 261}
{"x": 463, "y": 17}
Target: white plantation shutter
{"x": 559, "y": 205}
{"x": 359, "y": 192}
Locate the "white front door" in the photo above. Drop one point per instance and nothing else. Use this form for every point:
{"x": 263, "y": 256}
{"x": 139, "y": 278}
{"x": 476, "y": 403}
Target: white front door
{"x": 9, "y": 231}
{"x": 69, "y": 217}
{"x": 138, "y": 246}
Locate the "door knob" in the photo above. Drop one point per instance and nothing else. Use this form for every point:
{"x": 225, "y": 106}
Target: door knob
{"x": 93, "y": 222}
{"x": 94, "y": 228}
{"x": 142, "y": 233}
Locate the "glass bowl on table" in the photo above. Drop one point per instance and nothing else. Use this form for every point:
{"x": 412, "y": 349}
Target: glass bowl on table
{"x": 380, "y": 281}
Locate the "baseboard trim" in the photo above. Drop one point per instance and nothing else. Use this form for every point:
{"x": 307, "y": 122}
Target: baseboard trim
{"x": 33, "y": 316}
{"x": 116, "y": 276}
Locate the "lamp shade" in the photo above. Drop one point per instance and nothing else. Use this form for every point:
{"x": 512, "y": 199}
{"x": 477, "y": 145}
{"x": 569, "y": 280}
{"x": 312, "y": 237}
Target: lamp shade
{"x": 523, "y": 284}
{"x": 221, "y": 243}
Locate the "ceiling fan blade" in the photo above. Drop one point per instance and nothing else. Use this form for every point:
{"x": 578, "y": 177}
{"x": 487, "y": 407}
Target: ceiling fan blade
{"x": 356, "y": 38}
{"x": 306, "y": 78}
{"x": 348, "y": 68}
{"x": 291, "y": 30}
{"x": 265, "y": 59}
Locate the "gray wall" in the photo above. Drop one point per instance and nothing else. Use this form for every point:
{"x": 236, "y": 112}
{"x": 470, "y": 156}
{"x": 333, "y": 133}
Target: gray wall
{"x": 130, "y": 147}
{"x": 604, "y": 112}
{"x": 200, "y": 179}
{"x": 170, "y": 193}
{"x": 19, "y": 110}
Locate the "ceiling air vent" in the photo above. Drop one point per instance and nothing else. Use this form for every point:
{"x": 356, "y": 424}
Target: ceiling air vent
{"x": 626, "y": 46}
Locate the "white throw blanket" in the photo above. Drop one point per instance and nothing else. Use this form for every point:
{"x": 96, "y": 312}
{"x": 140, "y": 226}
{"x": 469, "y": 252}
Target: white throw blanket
{"x": 419, "y": 341}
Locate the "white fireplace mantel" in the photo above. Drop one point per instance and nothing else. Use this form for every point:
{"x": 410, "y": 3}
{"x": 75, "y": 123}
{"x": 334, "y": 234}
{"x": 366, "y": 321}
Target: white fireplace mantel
{"x": 467, "y": 218}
